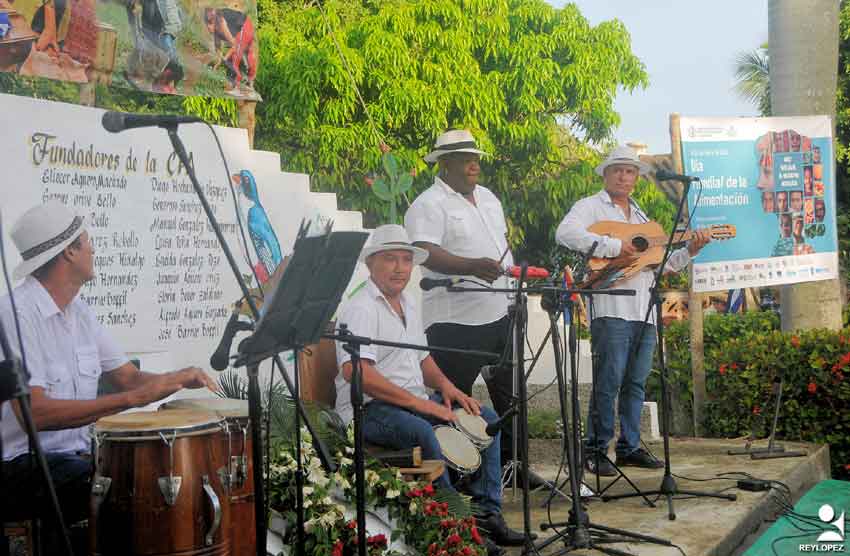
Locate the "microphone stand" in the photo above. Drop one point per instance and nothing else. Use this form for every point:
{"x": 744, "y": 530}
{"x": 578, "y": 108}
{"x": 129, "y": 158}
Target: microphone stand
{"x": 581, "y": 533}
{"x": 253, "y": 371}
{"x": 520, "y": 388}
{"x": 668, "y": 487}
{"x": 352, "y": 344}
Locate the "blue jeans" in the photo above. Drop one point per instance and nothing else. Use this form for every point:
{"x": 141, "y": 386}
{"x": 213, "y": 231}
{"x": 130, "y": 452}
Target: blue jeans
{"x": 612, "y": 342}
{"x": 394, "y": 427}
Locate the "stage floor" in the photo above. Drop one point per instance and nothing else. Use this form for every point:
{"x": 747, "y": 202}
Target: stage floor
{"x": 703, "y": 526}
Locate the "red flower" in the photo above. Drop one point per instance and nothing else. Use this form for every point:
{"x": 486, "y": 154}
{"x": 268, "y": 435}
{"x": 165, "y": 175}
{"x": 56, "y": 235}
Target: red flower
{"x": 432, "y": 549}
{"x": 795, "y": 341}
{"x": 734, "y": 366}
{"x": 756, "y": 410}
{"x": 428, "y": 489}
{"x": 847, "y": 466}
{"x": 377, "y": 540}
{"x": 722, "y": 369}
{"x": 476, "y": 536}
{"x": 351, "y": 524}
{"x": 337, "y": 551}
{"x": 467, "y": 551}
{"x": 414, "y": 493}
{"x": 453, "y": 540}
{"x": 812, "y": 388}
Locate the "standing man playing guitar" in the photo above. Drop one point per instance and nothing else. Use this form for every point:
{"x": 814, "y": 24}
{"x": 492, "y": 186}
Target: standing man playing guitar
{"x": 618, "y": 320}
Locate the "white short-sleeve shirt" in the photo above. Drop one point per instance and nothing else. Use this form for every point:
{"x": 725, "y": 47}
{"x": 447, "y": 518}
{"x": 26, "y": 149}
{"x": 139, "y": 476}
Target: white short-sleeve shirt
{"x": 442, "y": 216}
{"x": 369, "y": 314}
{"x": 66, "y": 352}
{"x": 572, "y": 233}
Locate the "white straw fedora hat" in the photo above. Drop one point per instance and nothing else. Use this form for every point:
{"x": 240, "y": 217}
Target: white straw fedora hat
{"x": 453, "y": 141}
{"x": 390, "y": 237}
{"x": 623, "y": 154}
{"x": 43, "y": 232}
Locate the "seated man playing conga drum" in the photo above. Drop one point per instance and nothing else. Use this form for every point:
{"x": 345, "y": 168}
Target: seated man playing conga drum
{"x": 398, "y": 413}
{"x": 66, "y": 351}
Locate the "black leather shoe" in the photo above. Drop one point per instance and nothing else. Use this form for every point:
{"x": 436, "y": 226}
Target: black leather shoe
{"x": 498, "y": 531}
{"x": 492, "y": 548}
{"x": 605, "y": 467}
{"x": 640, "y": 458}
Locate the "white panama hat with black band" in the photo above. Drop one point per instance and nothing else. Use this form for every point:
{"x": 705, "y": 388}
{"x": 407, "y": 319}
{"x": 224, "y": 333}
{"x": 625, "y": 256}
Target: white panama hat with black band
{"x": 43, "y": 232}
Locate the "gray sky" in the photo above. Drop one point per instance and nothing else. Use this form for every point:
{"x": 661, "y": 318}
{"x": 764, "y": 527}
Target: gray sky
{"x": 688, "y": 48}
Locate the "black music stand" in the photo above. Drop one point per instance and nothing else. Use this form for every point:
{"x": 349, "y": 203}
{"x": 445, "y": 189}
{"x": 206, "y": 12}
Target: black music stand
{"x": 296, "y": 314}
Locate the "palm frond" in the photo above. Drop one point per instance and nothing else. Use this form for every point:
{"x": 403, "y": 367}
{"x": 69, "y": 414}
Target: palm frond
{"x": 752, "y": 78}
{"x": 326, "y": 422}
{"x": 459, "y": 505}
{"x": 232, "y": 385}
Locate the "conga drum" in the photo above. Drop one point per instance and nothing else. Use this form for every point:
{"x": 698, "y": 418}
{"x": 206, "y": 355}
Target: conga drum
{"x": 240, "y": 471}
{"x": 157, "y": 489}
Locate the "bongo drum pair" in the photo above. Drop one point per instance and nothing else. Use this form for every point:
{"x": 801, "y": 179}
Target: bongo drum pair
{"x": 463, "y": 441}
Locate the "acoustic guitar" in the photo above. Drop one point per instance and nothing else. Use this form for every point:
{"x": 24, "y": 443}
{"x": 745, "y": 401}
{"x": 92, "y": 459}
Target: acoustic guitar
{"x": 649, "y": 239}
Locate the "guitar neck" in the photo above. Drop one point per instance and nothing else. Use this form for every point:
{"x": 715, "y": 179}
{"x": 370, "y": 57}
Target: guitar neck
{"x": 678, "y": 237}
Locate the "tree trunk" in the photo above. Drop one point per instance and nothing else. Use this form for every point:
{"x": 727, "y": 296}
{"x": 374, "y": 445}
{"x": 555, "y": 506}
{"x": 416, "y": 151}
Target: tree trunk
{"x": 803, "y": 49}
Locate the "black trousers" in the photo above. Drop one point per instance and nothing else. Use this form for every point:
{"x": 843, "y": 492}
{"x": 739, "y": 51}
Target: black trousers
{"x": 463, "y": 369}
{"x": 27, "y": 497}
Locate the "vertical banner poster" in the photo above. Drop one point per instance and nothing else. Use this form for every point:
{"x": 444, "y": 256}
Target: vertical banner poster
{"x": 184, "y": 47}
{"x": 769, "y": 185}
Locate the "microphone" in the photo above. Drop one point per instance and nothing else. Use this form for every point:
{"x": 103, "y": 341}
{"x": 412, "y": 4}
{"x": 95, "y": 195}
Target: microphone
{"x": 666, "y": 175}
{"x": 116, "y": 122}
{"x": 489, "y": 372}
{"x": 220, "y": 359}
{"x": 493, "y": 428}
{"x": 428, "y": 284}
{"x": 532, "y": 272}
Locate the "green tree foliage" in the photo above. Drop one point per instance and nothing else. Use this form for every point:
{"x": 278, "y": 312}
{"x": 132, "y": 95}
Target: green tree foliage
{"x": 524, "y": 76}
{"x": 842, "y": 109}
{"x": 214, "y": 110}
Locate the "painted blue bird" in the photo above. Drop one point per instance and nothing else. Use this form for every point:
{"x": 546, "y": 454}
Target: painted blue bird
{"x": 260, "y": 229}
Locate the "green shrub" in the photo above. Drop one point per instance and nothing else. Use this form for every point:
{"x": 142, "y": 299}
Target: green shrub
{"x": 717, "y": 329}
{"x": 745, "y": 355}
{"x": 544, "y": 423}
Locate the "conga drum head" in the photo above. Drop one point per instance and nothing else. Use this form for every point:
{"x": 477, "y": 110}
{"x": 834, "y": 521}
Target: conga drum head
{"x": 460, "y": 454}
{"x": 226, "y": 407}
{"x": 474, "y": 427}
{"x": 147, "y": 425}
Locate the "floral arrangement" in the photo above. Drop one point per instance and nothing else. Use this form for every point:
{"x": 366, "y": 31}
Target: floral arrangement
{"x": 427, "y": 521}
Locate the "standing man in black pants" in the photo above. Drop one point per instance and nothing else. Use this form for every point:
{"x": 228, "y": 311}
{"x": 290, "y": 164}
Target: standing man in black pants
{"x": 462, "y": 226}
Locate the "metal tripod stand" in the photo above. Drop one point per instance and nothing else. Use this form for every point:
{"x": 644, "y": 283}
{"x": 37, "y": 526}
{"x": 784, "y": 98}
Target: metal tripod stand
{"x": 580, "y": 532}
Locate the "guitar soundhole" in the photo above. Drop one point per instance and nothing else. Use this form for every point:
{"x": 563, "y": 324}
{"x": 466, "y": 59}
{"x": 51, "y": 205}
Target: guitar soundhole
{"x": 640, "y": 243}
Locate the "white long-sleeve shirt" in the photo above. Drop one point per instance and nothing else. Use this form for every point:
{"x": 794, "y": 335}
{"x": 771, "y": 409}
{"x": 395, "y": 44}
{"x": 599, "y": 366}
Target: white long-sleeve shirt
{"x": 572, "y": 233}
